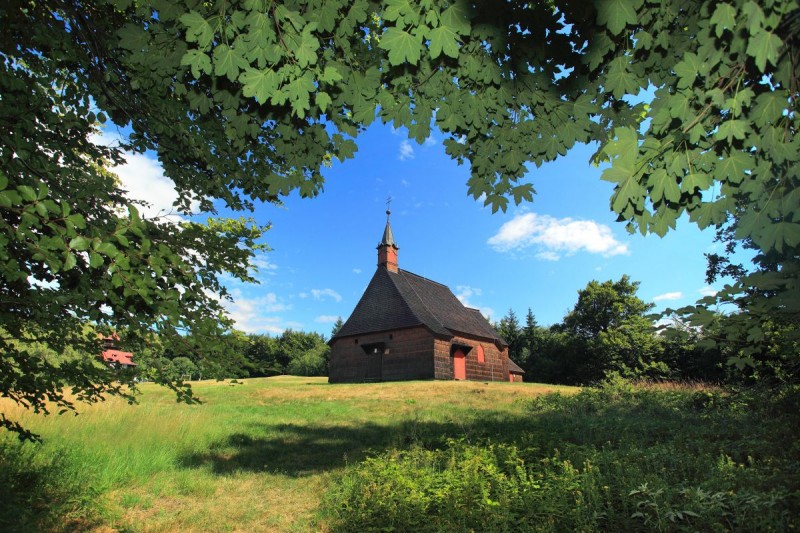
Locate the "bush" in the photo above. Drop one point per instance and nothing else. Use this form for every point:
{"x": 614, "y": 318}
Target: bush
{"x": 460, "y": 488}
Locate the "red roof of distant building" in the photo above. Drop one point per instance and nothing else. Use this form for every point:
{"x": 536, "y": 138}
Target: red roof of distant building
{"x": 117, "y": 356}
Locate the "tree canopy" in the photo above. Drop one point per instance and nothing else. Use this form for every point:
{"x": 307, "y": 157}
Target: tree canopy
{"x": 693, "y": 104}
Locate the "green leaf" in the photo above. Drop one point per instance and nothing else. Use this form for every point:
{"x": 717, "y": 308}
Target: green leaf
{"x": 773, "y": 235}
{"x": 687, "y": 70}
{"x": 402, "y": 46}
{"x": 198, "y": 61}
{"x": 323, "y": 100}
{"x": 732, "y": 168}
{"x": 732, "y": 129}
{"x": 399, "y": 11}
{"x": 70, "y": 261}
{"x": 619, "y": 80}
{"x": 299, "y": 91}
{"x": 133, "y": 37}
{"x": 260, "y": 84}
{"x": 696, "y": 180}
{"x": 456, "y": 18}
{"x": 330, "y": 75}
{"x": 197, "y": 28}
{"x": 228, "y": 62}
{"x": 107, "y": 249}
{"x": 306, "y": 47}
{"x": 443, "y": 39}
{"x": 95, "y": 260}
{"x": 79, "y": 243}
{"x": 769, "y": 108}
{"x": 27, "y": 193}
{"x": 664, "y": 187}
{"x": 764, "y": 46}
{"x": 77, "y": 220}
{"x": 679, "y": 106}
{"x": 616, "y": 14}
{"x": 755, "y": 17}
{"x": 724, "y": 18}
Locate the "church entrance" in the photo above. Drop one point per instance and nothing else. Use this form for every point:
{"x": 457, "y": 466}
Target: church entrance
{"x": 374, "y": 364}
{"x": 459, "y": 365}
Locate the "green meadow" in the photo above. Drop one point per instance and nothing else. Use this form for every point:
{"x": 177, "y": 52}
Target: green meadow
{"x": 299, "y": 454}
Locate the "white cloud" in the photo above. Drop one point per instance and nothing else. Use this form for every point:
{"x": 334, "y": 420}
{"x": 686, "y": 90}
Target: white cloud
{"x": 547, "y": 255}
{"x": 406, "y": 151}
{"x": 708, "y": 291}
{"x": 320, "y": 294}
{"x": 252, "y": 314}
{"x": 677, "y": 295}
{"x": 357, "y": 271}
{"x": 327, "y": 318}
{"x": 465, "y": 292}
{"x": 143, "y": 178}
{"x": 263, "y": 265}
{"x": 404, "y": 183}
{"x": 430, "y": 141}
{"x": 552, "y": 237}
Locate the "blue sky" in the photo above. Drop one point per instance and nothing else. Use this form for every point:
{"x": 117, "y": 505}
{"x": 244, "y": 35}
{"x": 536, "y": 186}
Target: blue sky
{"x": 535, "y": 255}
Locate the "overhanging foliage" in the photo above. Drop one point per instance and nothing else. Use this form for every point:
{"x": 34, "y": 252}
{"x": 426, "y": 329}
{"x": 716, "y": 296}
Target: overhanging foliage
{"x": 246, "y": 101}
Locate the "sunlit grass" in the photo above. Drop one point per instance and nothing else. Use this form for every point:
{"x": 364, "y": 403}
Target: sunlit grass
{"x": 254, "y": 456}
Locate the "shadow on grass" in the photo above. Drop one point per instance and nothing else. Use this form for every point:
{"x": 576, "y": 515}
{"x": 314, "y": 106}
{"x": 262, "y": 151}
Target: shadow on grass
{"x": 299, "y": 450}
{"x": 42, "y": 493}
{"x": 581, "y": 429}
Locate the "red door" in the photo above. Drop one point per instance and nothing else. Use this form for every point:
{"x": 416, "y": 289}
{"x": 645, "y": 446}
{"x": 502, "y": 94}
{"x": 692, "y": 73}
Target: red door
{"x": 459, "y": 365}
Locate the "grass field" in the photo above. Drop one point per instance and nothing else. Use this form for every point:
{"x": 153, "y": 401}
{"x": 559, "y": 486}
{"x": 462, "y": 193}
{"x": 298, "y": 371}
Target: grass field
{"x": 255, "y": 456}
{"x": 299, "y": 454}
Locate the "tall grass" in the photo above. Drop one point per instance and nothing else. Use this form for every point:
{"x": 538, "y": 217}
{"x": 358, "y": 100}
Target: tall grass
{"x": 254, "y": 456}
{"x": 298, "y": 454}
{"x": 617, "y": 458}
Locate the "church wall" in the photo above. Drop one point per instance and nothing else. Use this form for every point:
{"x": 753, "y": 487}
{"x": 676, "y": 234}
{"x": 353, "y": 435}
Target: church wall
{"x": 494, "y": 367}
{"x": 408, "y": 355}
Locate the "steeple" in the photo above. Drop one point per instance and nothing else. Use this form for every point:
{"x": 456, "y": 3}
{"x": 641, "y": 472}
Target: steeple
{"x": 387, "y": 249}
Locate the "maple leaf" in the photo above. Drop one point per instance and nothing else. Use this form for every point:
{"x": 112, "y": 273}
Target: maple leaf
{"x": 260, "y": 84}
{"x": 616, "y": 14}
{"x": 402, "y": 46}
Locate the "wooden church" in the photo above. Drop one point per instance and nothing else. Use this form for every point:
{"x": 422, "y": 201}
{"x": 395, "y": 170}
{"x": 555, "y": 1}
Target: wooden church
{"x": 409, "y": 327}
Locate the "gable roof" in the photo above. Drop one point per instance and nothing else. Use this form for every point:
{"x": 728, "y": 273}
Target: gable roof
{"x": 514, "y": 368}
{"x": 402, "y": 299}
{"x": 117, "y": 356}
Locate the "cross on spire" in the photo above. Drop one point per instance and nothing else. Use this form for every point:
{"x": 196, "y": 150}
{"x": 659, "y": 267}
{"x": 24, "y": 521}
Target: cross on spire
{"x": 388, "y": 205}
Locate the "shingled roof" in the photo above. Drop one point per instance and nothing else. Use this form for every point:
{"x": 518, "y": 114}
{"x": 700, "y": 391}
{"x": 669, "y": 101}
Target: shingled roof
{"x": 402, "y": 299}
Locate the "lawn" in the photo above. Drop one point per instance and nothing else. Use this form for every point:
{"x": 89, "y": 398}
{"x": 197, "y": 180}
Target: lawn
{"x": 256, "y": 456}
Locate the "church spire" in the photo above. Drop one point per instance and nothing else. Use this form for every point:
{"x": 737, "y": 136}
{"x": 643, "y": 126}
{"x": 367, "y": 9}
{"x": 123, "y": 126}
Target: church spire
{"x": 387, "y": 249}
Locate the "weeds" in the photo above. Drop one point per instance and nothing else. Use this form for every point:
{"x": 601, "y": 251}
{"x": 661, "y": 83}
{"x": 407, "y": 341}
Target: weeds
{"x": 619, "y": 457}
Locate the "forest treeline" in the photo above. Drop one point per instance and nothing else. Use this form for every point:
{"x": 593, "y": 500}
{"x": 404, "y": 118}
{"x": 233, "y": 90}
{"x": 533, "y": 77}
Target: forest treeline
{"x": 611, "y": 330}
{"x": 236, "y": 356}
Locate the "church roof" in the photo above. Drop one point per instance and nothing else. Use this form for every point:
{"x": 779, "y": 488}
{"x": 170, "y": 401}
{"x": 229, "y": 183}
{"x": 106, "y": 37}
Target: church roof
{"x": 402, "y": 299}
{"x": 388, "y": 237}
{"x": 514, "y": 368}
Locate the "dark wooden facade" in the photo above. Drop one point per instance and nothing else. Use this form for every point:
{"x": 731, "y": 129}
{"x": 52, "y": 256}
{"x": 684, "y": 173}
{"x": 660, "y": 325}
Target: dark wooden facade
{"x": 408, "y": 327}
